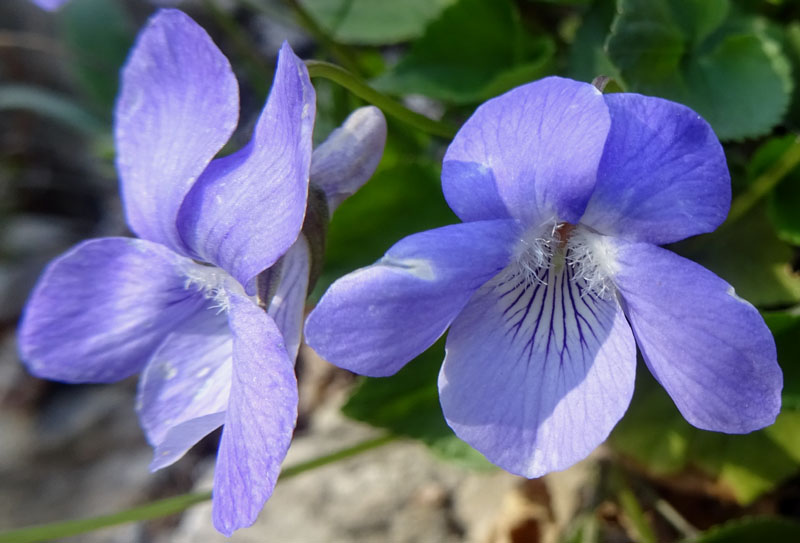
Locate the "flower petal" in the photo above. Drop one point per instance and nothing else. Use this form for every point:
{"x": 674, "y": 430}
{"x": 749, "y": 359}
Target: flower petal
{"x": 536, "y": 376}
{"x": 349, "y": 156}
{"x": 663, "y": 175}
{"x": 260, "y": 420}
{"x": 189, "y": 376}
{"x": 288, "y": 304}
{"x": 531, "y": 154}
{"x": 182, "y": 437}
{"x": 376, "y": 319}
{"x": 709, "y": 348}
{"x": 100, "y": 311}
{"x": 178, "y": 105}
{"x": 247, "y": 209}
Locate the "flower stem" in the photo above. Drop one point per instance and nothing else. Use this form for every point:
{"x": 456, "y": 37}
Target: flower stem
{"x": 765, "y": 182}
{"x": 342, "y": 55}
{"x": 168, "y": 506}
{"x": 340, "y": 76}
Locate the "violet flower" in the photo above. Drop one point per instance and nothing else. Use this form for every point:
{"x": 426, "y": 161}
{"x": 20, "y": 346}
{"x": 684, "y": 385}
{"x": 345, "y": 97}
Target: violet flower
{"x": 179, "y": 304}
{"x": 565, "y": 196}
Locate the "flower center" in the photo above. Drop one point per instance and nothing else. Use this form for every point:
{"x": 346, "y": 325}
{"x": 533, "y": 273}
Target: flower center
{"x": 214, "y": 283}
{"x": 588, "y": 258}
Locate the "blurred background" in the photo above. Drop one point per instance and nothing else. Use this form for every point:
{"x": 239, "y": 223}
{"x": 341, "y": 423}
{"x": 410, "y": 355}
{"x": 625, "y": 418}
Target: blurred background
{"x": 76, "y": 451}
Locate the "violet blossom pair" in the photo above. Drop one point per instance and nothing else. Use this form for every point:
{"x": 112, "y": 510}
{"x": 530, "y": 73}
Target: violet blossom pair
{"x": 555, "y": 276}
{"x": 208, "y": 303}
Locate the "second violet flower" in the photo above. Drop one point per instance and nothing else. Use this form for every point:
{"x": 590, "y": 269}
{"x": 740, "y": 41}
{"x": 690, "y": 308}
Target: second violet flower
{"x": 555, "y": 276}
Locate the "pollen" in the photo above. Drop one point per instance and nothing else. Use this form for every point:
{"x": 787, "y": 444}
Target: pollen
{"x": 542, "y": 253}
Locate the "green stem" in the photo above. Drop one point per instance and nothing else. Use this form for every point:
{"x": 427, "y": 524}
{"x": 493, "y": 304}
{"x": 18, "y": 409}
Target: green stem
{"x": 765, "y": 182}
{"x": 341, "y": 54}
{"x": 342, "y": 77}
{"x": 168, "y": 506}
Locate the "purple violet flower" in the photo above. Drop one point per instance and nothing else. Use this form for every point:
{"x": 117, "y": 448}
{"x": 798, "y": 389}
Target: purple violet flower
{"x": 179, "y": 304}
{"x": 555, "y": 275}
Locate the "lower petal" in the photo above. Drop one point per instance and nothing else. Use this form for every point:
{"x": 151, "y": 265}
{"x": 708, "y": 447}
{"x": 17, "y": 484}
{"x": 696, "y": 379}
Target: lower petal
{"x": 99, "y": 311}
{"x": 376, "y": 319}
{"x": 182, "y": 437}
{"x": 709, "y": 348}
{"x": 189, "y": 376}
{"x": 537, "y": 375}
{"x": 260, "y": 420}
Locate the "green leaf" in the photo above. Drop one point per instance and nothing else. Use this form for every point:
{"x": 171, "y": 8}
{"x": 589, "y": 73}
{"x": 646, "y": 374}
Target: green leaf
{"x": 474, "y": 50}
{"x": 784, "y": 208}
{"x": 587, "y": 55}
{"x": 50, "y": 105}
{"x": 749, "y": 256}
{"x": 752, "y": 529}
{"x": 646, "y": 43}
{"x": 407, "y": 404}
{"x": 98, "y": 35}
{"x": 785, "y": 327}
{"x": 792, "y": 47}
{"x": 656, "y": 436}
{"x": 402, "y": 198}
{"x": 784, "y": 201}
{"x": 374, "y": 22}
{"x": 742, "y": 87}
{"x": 734, "y": 74}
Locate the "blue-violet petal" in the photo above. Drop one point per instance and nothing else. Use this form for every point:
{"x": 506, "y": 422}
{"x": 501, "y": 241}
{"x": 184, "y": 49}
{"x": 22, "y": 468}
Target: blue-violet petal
{"x": 708, "y": 347}
{"x": 247, "y": 209}
{"x": 531, "y": 154}
{"x": 178, "y": 105}
{"x": 376, "y": 319}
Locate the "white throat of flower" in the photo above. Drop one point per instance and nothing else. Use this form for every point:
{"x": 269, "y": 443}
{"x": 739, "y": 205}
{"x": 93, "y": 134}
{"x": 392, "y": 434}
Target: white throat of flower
{"x": 214, "y": 283}
{"x": 544, "y": 252}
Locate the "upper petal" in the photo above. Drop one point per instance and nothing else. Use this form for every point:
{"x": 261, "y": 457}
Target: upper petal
{"x": 531, "y": 154}
{"x": 349, "y": 156}
{"x": 247, "y": 209}
{"x": 537, "y": 375}
{"x": 260, "y": 420}
{"x": 178, "y": 105}
{"x": 663, "y": 175}
{"x": 376, "y": 319}
{"x": 189, "y": 376}
{"x": 100, "y": 311}
{"x": 709, "y": 349}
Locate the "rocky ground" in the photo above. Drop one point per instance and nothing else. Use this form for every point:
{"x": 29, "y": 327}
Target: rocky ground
{"x": 70, "y": 452}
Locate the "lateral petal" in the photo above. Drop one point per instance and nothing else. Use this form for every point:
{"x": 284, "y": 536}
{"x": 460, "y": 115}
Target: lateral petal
{"x": 537, "y": 375}
{"x": 178, "y": 105}
{"x": 531, "y": 154}
{"x": 288, "y": 304}
{"x": 247, "y": 209}
{"x": 376, "y": 319}
{"x": 100, "y": 310}
{"x": 663, "y": 176}
{"x": 260, "y": 419}
{"x": 709, "y": 349}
